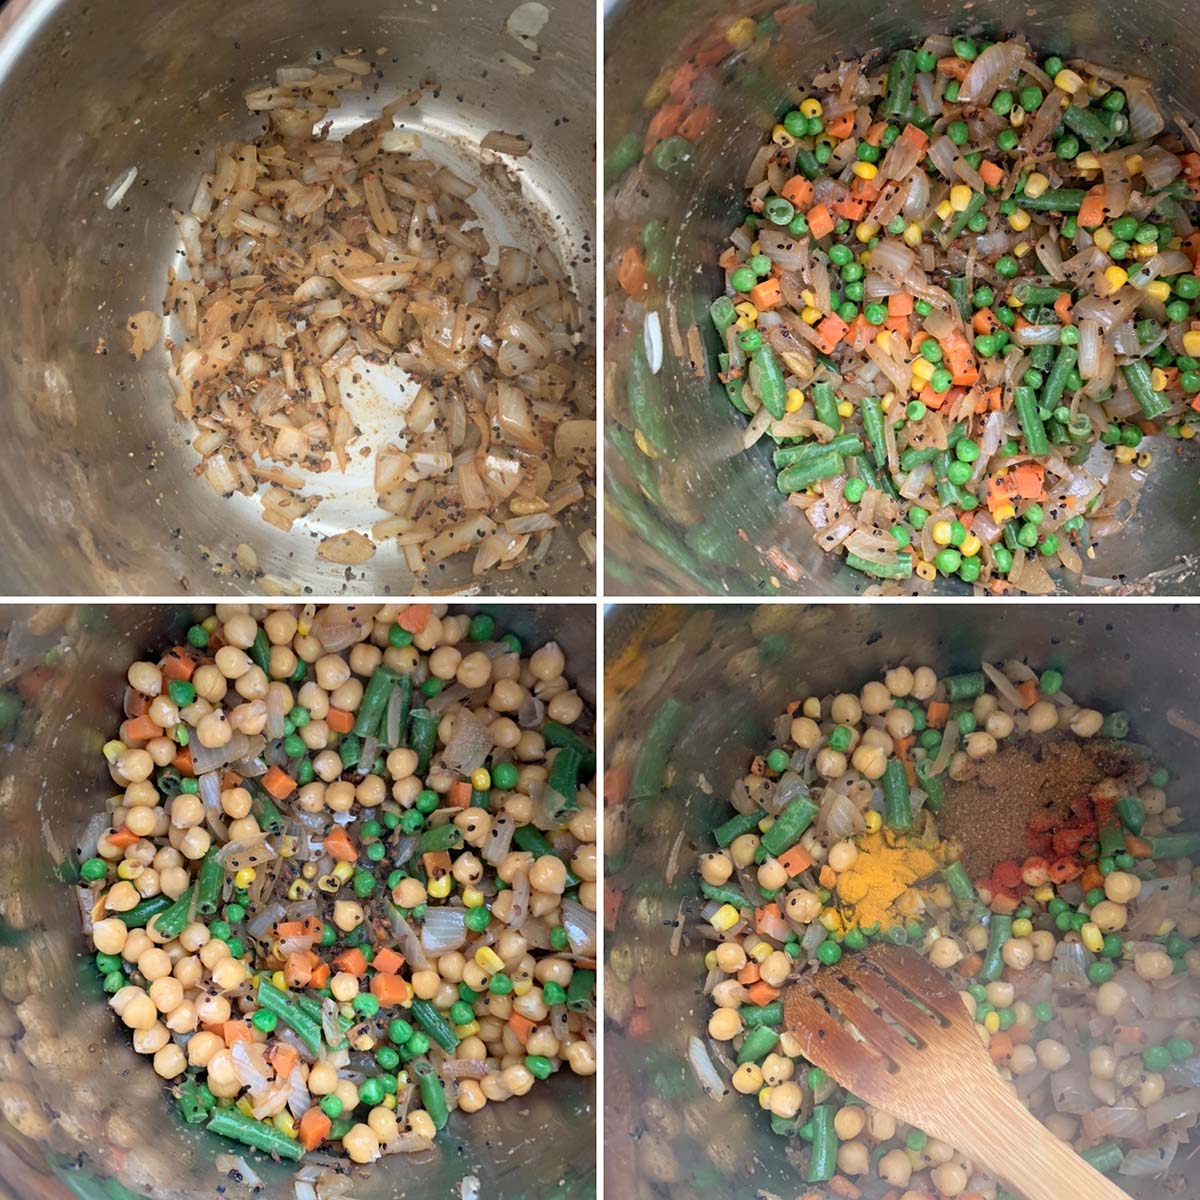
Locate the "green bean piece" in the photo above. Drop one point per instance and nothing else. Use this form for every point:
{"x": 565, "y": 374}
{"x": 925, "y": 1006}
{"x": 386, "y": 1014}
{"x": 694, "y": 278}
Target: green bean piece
{"x": 262, "y": 805}
{"x": 557, "y": 735}
{"x": 424, "y": 736}
{"x": 1112, "y": 840}
{"x": 912, "y": 456}
{"x": 260, "y": 652}
{"x": 659, "y": 740}
{"x": 232, "y": 1123}
{"x": 769, "y": 381}
{"x": 789, "y": 826}
{"x": 825, "y": 404}
{"x": 1137, "y": 376}
{"x": 1035, "y": 293}
{"x": 1089, "y": 125}
{"x": 1175, "y": 845}
{"x": 306, "y": 1028}
{"x": 956, "y": 285}
{"x": 902, "y": 568}
{"x": 754, "y": 1015}
{"x": 999, "y": 932}
{"x": 725, "y": 895}
{"x": 643, "y": 398}
{"x": 759, "y": 1042}
{"x": 191, "y": 1107}
{"x": 564, "y": 784}
{"x": 964, "y": 687}
{"x": 959, "y": 223}
{"x": 581, "y": 992}
{"x": 1132, "y": 812}
{"x": 440, "y": 837}
{"x": 872, "y": 419}
{"x": 960, "y": 885}
{"x": 722, "y": 313}
{"x": 374, "y": 701}
{"x": 931, "y": 785}
{"x": 807, "y": 164}
{"x": 1064, "y": 200}
{"x": 1056, "y": 381}
{"x": 736, "y": 826}
{"x": 897, "y": 805}
{"x": 141, "y": 913}
{"x": 208, "y": 884}
{"x": 846, "y": 443}
{"x": 433, "y": 1094}
{"x": 172, "y": 921}
{"x": 627, "y": 506}
{"x": 823, "y": 1161}
{"x": 796, "y": 478}
{"x": 435, "y": 1025}
{"x": 901, "y": 73}
{"x": 1106, "y": 1157}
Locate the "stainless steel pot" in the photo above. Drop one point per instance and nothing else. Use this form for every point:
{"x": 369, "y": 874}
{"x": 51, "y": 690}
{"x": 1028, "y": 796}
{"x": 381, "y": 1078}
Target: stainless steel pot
{"x": 733, "y": 669}
{"x": 98, "y": 468}
{"x": 713, "y": 520}
{"x": 79, "y": 1109}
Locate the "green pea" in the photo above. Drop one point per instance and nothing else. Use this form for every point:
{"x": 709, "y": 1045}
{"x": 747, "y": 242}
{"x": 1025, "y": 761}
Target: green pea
{"x": 1003, "y": 559}
{"x": 915, "y": 410}
{"x": 370, "y": 1092}
{"x": 876, "y": 314}
{"x": 478, "y": 919}
{"x": 829, "y": 952}
{"x": 926, "y": 61}
{"x": 854, "y": 490}
{"x": 959, "y": 473}
{"x": 958, "y": 132}
{"x": 1002, "y": 103}
{"x": 331, "y": 1106}
{"x": 948, "y": 561}
{"x": 387, "y": 1058}
{"x": 777, "y": 760}
{"x": 940, "y": 380}
{"x": 93, "y": 869}
{"x": 399, "y": 637}
{"x": 1007, "y": 266}
{"x": 966, "y": 722}
{"x": 901, "y": 535}
{"x": 1156, "y": 1058}
{"x": 983, "y": 297}
{"x": 1049, "y": 545}
{"x": 418, "y": 1044}
{"x": 500, "y": 984}
{"x": 553, "y": 994}
{"x": 182, "y": 692}
{"x": 841, "y": 738}
{"x": 917, "y": 516}
{"x": 197, "y": 636}
{"x": 1007, "y": 140}
{"x": 264, "y": 1020}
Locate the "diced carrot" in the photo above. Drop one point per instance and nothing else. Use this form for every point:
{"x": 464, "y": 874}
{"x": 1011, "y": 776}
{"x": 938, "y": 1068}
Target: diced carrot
{"x": 177, "y": 663}
{"x": 339, "y": 720}
{"x": 631, "y": 272}
{"x": 874, "y": 134}
{"x": 729, "y": 259}
{"x": 910, "y": 767}
{"x": 904, "y": 744}
{"x": 389, "y": 990}
{"x": 953, "y": 66}
{"x": 229, "y": 780}
{"x": 841, "y": 127}
{"x": 320, "y": 975}
{"x": 994, "y": 399}
{"x": 436, "y": 864}
{"x": 959, "y": 357}
{"x": 932, "y": 399}
{"x": 387, "y": 961}
{"x": 900, "y": 304}
{"x": 283, "y": 1058}
{"x": 917, "y": 136}
{"x": 1093, "y": 210}
{"x": 820, "y": 221}
{"x": 121, "y": 838}
{"x": 966, "y": 378}
{"x": 827, "y": 876}
{"x": 1062, "y": 307}
{"x": 1029, "y": 478}
{"x": 1028, "y": 691}
{"x": 1005, "y": 904}
{"x": 865, "y": 189}
{"x": 182, "y": 762}
{"x": 798, "y": 190}
{"x": 337, "y": 843}
{"x": 897, "y": 325}
{"x": 795, "y": 860}
{"x": 985, "y": 321}
{"x": 312, "y": 927}
{"x": 139, "y": 729}
{"x": 970, "y": 965}
{"x": 1137, "y": 846}
{"x": 831, "y": 331}
{"x": 991, "y": 174}
{"x": 298, "y": 968}
{"x": 289, "y": 929}
{"x": 1191, "y": 163}
{"x": 460, "y": 793}
{"x": 279, "y": 783}
{"x": 1063, "y": 870}
{"x": 936, "y": 714}
{"x": 769, "y": 921}
{"x": 352, "y": 961}
{"x": 850, "y": 207}
{"x": 1129, "y": 1035}
{"x": 521, "y": 1026}
{"x": 695, "y": 125}
{"x": 314, "y": 1128}
{"x": 762, "y": 993}
{"x": 766, "y": 295}
{"x": 415, "y": 617}
{"x": 750, "y": 973}
{"x": 662, "y": 125}
{"x": 236, "y": 1031}
{"x": 842, "y": 1186}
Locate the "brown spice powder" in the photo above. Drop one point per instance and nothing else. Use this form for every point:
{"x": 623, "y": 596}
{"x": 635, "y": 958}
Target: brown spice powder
{"x": 988, "y": 814}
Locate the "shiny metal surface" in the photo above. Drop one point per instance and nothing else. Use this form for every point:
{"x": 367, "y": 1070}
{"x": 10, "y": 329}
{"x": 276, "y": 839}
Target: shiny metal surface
{"x": 716, "y": 523}
{"x": 77, "y": 1105}
{"x": 735, "y": 668}
{"x": 97, "y": 466}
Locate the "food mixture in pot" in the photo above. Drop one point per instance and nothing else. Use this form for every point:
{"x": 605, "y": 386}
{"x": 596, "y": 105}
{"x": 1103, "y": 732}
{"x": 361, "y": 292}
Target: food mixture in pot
{"x": 963, "y": 295}
{"x": 1026, "y": 847}
{"x": 347, "y": 883}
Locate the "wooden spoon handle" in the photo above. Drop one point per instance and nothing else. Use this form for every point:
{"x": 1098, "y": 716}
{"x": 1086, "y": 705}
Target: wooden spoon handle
{"x": 996, "y": 1130}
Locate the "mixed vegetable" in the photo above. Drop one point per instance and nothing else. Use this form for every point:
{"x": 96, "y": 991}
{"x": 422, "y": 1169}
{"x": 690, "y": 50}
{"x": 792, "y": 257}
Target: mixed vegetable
{"x": 347, "y": 884}
{"x": 1079, "y": 964}
{"x": 963, "y": 295}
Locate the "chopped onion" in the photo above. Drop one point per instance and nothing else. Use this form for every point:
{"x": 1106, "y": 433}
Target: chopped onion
{"x": 1174, "y": 1108}
{"x": 206, "y": 759}
{"x": 519, "y": 908}
{"x": 706, "y": 1073}
{"x": 414, "y": 951}
{"x": 580, "y": 924}
{"x": 443, "y": 929}
{"x": 469, "y": 745}
{"x": 499, "y": 839}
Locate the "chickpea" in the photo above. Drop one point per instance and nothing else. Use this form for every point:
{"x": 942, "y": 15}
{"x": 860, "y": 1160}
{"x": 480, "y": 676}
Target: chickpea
{"x": 980, "y": 745}
{"x": 945, "y": 953}
{"x": 875, "y": 698}
{"x": 566, "y": 708}
{"x": 1052, "y": 1055}
{"x": 869, "y": 760}
{"x": 364, "y": 658}
{"x": 1022, "y": 1060}
{"x": 1153, "y": 965}
{"x": 170, "y": 1061}
{"x": 881, "y": 1125}
{"x": 731, "y": 957}
{"x": 895, "y": 1168}
{"x": 772, "y": 874}
{"x": 831, "y": 764}
{"x": 331, "y": 671}
{"x": 842, "y": 856}
{"x": 194, "y": 843}
{"x": 775, "y": 968}
{"x": 846, "y": 709}
{"x": 1149, "y": 1088}
{"x": 1043, "y": 717}
{"x": 806, "y": 733}
{"x": 547, "y": 662}
{"x": 1121, "y": 887}
{"x": 348, "y": 914}
{"x": 1043, "y": 943}
{"x": 122, "y": 897}
{"x": 109, "y": 935}
{"x": 1001, "y": 993}
{"x": 849, "y": 1122}
{"x": 154, "y": 964}
{"x": 853, "y": 1158}
{"x": 1109, "y": 916}
{"x": 214, "y": 730}
{"x": 182, "y": 1018}
{"x": 786, "y": 1100}
{"x": 802, "y": 906}
{"x": 1086, "y": 723}
{"x": 899, "y": 723}
{"x": 723, "y": 1026}
{"x": 167, "y": 994}
{"x": 138, "y": 1011}
{"x": 949, "y": 1179}
{"x": 519, "y": 1080}
{"x": 548, "y": 874}
{"x": 1018, "y": 953}
{"x": 747, "y": 1079}
{"x": 924, "y": 683}
{"x": 741, "y": 849}
{"x": 999, "y": 725}
{"x": 361, "y": 1143}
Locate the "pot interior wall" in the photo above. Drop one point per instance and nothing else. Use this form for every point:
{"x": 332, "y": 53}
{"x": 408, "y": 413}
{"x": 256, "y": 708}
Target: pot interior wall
{"x": 734, "y": 669}
{"x": 99, "y": 465}
{"x": 79, "y": 1103}
{"x": 723, "y": 499}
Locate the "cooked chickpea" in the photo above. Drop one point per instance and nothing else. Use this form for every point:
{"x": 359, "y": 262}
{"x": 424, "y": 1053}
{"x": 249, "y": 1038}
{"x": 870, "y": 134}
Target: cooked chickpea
{"x": 895, "y": 1168}
{"x": 723, "y": 1025}
{"x": 802, "y": 906}
{"x": 1153, "y": 965}
{"x": 831, "y": 764}
{"x": 747, "y": 1079}
{"x": 1043, "y": 943}
{"x": 980, "y": 745}
{"x": 899, "y": 723}
{"x": 1052, "y": 1055}
{"x": 775, "y": 968}
{"x": 1086, "y": 723}
{"x": 1109, "y": 916}
{"x": 924, "y": 683}
{"x": 548, "y": 874}
{"x": 361, "y": 1143}
{"x": 806, "y": 733}
{"x": 1121, "y": 887}
{"x": 1017, "y": 953}
{"x": 1043, "y": 716}
{"x": 869, "y": 760}
{"x": 875, "y": 698}
{"x": 849, "y": 1121}
{"x": 772, "y": 874}
{"x": 842, "y": 856}
{"x": 742, "y": 849}
{"x": 731, "y": 957}
{"x": 949, "y": 1179}
{"x": 853, "y": 1158}
{"x": 846, "y": 709}
{"x": 109, "y": 935}
{"x": 786, "y": 1100}
{"x": 348, "y": 914}
{"x": 945, "y": 953}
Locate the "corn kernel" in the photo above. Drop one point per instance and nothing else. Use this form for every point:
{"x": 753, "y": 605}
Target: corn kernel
{"x": 278, "y": 980}
{"x": 1158, "y": 379}
{"x": 472, "y": 897}
{"x": 1159, "y": 289}
{"x": 781, "y": 138}
{"x": 761, "y": 951}
{"x": 944, "y": 209}
{"x": 1043, "y": 894}
{"x": 245, "y": 1107}
{"x": 865, "y": 170}
{"x": 873, "y": 821}
{"x": 913, "y": 235}
{"x": 883, "y": 339}
{"x": 439, "y": 888}
{"x": 1125, "y": 454}
{"x": 992, "y": 1022}
{"x": 765, "y": 824}
{"x": 810, "y": 316}
{"x": 1021, "y": 249}
{"x": 1103, "y": 238}
{"x": 389, "y": 1101}
{"x": 1091, "y": 937}
{"x": 1116, "y": 278}
{"x": 1144, "y": 458}
{"x": 811, "y": 107}
{"x": 960, "y": 197}
{"x": 342, "y": 871}
{"x": 887, "y": 402}
{"x": 1016, "y": 118}
{"x": 1087, "y": 161}
{"x": 1148, "y": 251}
{"x": 245, "y": 877}
{"x": 113, "y": 750}
{"x": 741, "y": 33}
{"x": 1164, "y": 929}
{"x": 285, "y": 1124}
{"x": 481, "y": 779}
{"x": 922, "y": 368}
{"x": 1019, "y": 220}
{"x": 1175, "y": 243}
{"x": 522, "y": 987}
{"x": 1133, "y": 164}
{"x": 1015, "y": 302}
{"x": 916, "y": 384}
{"x": 658, "y": 91}
{"x": 742, "y": 324}
{"x": 747, "y": 310}
{"x": 830, "y": 920}
{"x": 928, "y": 572}
{"x": 1187, "y": 432}
{"x": 845, "y": 409}
{"x": 299, "y": 890}
{"x": 941, "y": 533}
{"x": 1068, "y": 81}
{"x": 710, "y": 960}
{"x": 764, "y": 1097}
{"x": 794, "y": 401}
{"x": 1022, "y": 927}
{"x": 1191, "y": 342}
{"x": 287, "y": 846}
{"x": 866, "y": 231}
{"x": 1005, "y": 512}
{"x": 1036, "y": 184}
{"x": 644, "y": 446}
{"x": 726, "y": 917}
{"x": 808, "y": 297}
{"x": 971, "y": 545}
{"x": 128, "y": 869}
{"x": 471, "y": 1028}
{"x": 1097, "y": 87}
{"x": 486, "y": 959}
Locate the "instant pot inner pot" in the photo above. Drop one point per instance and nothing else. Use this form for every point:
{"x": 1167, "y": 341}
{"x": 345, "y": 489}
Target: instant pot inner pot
{"x": 80, "y": 1112}
{"x": 100, "y": 466}
{"x": 706, "y": 480}
{"x": 735, "y": 669}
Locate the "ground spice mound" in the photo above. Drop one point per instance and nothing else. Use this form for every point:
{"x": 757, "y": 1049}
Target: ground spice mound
{"x": 886, "y": 867}
{"x": 1029, "y": 783}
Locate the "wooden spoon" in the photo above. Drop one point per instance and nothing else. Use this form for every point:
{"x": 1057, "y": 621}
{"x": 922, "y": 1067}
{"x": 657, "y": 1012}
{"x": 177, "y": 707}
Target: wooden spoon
{"x": 942, "y": 1081}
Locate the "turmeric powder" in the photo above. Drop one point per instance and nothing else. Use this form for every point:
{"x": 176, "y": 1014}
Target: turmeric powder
{"x": 887, "y": 867}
